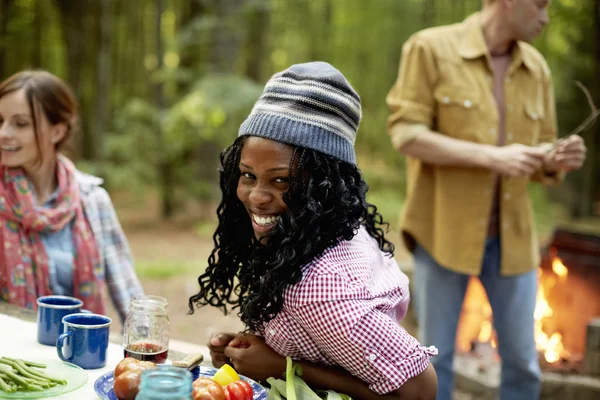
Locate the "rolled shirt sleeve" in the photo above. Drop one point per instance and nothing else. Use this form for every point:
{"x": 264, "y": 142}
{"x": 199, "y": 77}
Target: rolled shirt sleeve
{"x": 411, "y": 98}
{"x": 357, "y": 335}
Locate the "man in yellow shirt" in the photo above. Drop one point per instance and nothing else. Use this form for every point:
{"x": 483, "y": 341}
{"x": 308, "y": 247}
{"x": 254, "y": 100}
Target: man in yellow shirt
{"x": 473, "y": 109}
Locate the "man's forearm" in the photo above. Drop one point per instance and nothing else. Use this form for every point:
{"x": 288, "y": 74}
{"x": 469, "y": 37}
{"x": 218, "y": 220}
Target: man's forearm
{"x": 435, "y": 148}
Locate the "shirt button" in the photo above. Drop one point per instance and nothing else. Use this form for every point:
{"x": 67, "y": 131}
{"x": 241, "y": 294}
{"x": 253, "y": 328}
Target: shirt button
{"x": 272, "y": 331}
{"x": 446, "y": 100}
{"x": 509, "y": 107}
{"x": 468, "y": 103}
{"x": 372, "y": 357}
{"x": 492, "y": 131}
{"x": 505, "y": 225}
{"x": 507, "y": 196}
{"x": 482, "y": 222}
{"x": 534, "y": 115}
{"x": 509, "y": 136}
{"x": 507, "y": 79}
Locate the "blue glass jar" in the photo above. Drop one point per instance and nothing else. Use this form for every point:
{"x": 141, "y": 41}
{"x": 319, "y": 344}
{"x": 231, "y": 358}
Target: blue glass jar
{"x": 165, "y": 383}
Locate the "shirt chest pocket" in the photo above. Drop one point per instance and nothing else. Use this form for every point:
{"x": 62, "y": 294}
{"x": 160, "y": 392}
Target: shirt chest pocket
{"x": 530, "y": 124}
{"x": 458, "y": 112}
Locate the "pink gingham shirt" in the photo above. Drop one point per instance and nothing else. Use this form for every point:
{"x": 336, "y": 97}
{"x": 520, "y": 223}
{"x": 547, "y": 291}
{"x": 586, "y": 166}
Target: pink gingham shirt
{"x": 346, "y": 311}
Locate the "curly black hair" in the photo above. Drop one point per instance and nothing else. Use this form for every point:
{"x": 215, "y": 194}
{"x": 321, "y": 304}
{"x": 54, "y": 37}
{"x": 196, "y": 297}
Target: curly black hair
{"x": 326, "y": 204}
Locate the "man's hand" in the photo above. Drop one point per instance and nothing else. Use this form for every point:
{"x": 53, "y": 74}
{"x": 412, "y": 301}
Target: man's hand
{"x": 516, "y": 159}
{"x": 216, "y": 345}
{"x": 252, "y": 357}
{"x": 568, "y": 155}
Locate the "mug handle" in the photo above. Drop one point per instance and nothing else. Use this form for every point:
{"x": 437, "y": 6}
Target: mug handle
{"x": 59, "y": 346}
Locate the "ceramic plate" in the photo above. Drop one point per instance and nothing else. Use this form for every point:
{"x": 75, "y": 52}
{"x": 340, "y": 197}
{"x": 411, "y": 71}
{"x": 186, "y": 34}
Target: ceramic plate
{"x": 104, "y": 384}
{"x": 75, "y": 377}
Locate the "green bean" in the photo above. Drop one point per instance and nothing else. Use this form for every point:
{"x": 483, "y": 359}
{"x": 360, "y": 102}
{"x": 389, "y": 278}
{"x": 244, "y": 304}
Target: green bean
{"x": 23, "y": 370}
{"x": 34, "y": 364}
{"x": 20, "y": 366}
{"x": 35, "y": 388}
{"x": 23, "y": 375}
{"x": 5, "y": 386}
{"x": 15, "y": 378}
{"x": 26, "y": 362}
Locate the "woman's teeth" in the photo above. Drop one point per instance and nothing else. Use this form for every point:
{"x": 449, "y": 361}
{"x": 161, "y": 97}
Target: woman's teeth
{"x": 265, "y": 221}
{"x": 10, "y": 148}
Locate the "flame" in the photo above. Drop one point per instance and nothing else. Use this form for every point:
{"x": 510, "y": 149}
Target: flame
{"x": 486, "y": 332}
{"x": 559, "y": 268}
{"x": 550, "y": 345}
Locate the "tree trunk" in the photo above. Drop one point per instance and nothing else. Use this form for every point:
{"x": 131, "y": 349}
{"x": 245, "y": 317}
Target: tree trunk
{"x": 37, "y": 36}
{"x": 594, "y": 138}
{"x": 428, "y": 17}
{"x": 5, "y": 6}
{"x": 226, "y": 36}
{"x": 190, "y": 55}
{"x": 72, "y": 14}
{"x": 256, "y": 43}
{"x": 103, "y": 76}
{"x": 589, "y": 187}
{"x": 164, "y": 166}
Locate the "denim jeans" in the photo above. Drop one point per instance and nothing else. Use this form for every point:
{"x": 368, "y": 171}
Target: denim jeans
{"x": 438, "y": 294}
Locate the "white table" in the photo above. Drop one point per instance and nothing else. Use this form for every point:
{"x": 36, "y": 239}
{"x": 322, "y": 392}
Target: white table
{"x": 18, "y": 339}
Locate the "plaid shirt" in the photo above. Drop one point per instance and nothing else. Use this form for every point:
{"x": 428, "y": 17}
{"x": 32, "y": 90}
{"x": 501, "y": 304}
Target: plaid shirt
{"x": 115, "y": 254}
{"x": 346, "y": 311}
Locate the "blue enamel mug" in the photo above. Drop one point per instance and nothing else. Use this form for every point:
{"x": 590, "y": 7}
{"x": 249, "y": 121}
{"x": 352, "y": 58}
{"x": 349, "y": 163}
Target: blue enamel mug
{"x": 51, "y": 311}
{"x": 85, "y": 340}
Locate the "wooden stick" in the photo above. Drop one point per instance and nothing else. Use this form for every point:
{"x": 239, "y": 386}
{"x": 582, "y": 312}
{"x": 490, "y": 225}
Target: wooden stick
{"x": 591, "y": 120}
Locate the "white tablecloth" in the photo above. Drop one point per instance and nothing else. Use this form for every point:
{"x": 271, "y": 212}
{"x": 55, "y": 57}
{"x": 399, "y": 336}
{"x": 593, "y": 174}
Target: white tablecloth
{"x": 18, "y": 339}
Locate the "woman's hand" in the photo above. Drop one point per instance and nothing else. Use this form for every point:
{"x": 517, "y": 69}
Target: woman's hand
{"x": 216, "y": 345}
{"x": 252, "y": 357}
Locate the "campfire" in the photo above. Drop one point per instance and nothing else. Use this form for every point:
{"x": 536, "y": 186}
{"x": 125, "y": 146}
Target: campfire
{"x": 548, "y": 343}
{"x": 568, "y": 299}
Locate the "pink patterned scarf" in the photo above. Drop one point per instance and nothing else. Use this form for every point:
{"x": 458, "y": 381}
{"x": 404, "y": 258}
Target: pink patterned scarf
{"x": 23, "y": 259}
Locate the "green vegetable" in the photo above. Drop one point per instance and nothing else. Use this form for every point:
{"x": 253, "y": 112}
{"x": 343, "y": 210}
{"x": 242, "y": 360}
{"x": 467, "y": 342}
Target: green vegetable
{"x": 23, "y": 375}
{"x": 294, "y": 387}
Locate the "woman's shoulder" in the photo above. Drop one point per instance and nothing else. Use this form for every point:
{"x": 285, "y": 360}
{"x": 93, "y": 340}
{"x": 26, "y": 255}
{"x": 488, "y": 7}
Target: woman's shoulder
{"x": 349, "y": 263}
{"x": 91, "y": 188}
{"x": 88, "y": 182}
{"x": 361, "y": 248}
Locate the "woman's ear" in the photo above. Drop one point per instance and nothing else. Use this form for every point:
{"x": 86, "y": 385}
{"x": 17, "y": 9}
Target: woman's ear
{"x": 58, "y": 132}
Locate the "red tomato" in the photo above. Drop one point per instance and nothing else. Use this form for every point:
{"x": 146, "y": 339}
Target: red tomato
{"x": 127, "y": 377}
{"x": 207, "y": 389}
{"x": 124, "y": 365}
{"x": 126, "y": 385}
{"x": 239, "y": 390}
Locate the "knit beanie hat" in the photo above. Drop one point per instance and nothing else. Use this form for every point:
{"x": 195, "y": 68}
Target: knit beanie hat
{"x": 310, "y": 105}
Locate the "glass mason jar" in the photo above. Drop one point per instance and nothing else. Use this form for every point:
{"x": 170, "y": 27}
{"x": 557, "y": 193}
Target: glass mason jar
{"x": 165, "y": 383}
{"x": 146, "y": 329}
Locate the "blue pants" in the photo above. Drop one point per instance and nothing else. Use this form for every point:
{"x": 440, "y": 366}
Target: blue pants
{"x": 438, "y": 295}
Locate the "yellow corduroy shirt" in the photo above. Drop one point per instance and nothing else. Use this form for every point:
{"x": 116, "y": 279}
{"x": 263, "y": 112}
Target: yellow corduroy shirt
{"x": 445, "y": 84}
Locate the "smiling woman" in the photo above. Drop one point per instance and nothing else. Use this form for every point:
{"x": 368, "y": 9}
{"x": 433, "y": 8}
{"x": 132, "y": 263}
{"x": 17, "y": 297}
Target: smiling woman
{"x": 303, "y": 255}
{"x": 59, "y": 233}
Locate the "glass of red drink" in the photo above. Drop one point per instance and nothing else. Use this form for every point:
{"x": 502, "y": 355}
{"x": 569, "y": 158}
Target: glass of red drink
{"x": 146, "y": 329}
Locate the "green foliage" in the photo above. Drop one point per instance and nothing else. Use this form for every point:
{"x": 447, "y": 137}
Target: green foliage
{"x": 165, "y": 269}
{"x": 180, "y": 143}
{"x": 146, "y": 139}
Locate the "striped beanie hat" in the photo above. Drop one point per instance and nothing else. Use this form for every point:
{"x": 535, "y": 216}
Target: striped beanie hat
{"x": 310, "y": 105}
